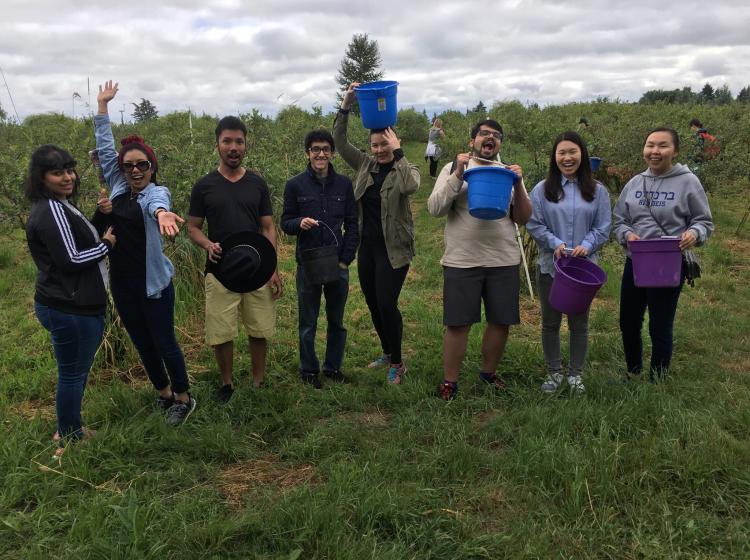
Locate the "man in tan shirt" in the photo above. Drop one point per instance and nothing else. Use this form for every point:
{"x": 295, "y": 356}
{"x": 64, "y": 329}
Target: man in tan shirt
{"x": 480, "y": 262}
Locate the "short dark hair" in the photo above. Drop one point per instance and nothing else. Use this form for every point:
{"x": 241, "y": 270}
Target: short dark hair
{"x": 230, "y": 123}
{"x": 487, "y": 122}
{"x": 696, "y": 122}
{"x": 376, "y": 131}
{"x": 44, "y": 159}
{"x": 553, "y": 190}
{"x": 319, "y": 135}
{"x": 671, "y": 131}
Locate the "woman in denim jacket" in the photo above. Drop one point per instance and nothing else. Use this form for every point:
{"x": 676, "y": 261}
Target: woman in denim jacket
{"x": 141, "y": 275}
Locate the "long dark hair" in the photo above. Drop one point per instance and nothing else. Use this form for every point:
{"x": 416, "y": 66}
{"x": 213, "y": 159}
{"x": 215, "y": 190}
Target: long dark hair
{"x": 553, "y": 190}
{"x": 47, "y": 158}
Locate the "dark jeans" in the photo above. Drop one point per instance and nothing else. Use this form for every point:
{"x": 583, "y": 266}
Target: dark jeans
{"x": 662, "y": 306}
{"x": 381, "y": 285}
{"x": 150, "y": 325}
{"x": 75, "y": 339}
{"x": 308, "y": 303}
{"x": 433, "y": 165}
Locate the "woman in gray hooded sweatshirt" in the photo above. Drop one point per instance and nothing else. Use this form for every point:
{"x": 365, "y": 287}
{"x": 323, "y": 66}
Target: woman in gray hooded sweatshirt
{"x": 666, "y": 199}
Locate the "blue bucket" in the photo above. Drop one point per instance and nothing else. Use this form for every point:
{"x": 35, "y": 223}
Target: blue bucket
{"x": 377, "y": 104}
{"x": 595, "y": 163}
{"x": 490, "y": 188}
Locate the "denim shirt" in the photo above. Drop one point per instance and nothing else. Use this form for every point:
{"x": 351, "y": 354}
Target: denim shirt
{"x": 159, "y": 269}
{"x": 330, "y": 200}
{"x": 572, "y": 221}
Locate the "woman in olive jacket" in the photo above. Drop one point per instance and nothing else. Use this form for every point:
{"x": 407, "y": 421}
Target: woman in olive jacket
{"x": 382, "y": 186}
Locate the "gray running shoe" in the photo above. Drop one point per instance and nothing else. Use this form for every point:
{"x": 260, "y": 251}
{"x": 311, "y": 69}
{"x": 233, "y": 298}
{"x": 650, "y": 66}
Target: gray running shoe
{"x": 179, "y": 411}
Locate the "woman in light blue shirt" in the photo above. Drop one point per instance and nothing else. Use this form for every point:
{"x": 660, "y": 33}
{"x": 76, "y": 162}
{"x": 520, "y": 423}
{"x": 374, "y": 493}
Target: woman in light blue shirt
{"x": 571, "y": 213}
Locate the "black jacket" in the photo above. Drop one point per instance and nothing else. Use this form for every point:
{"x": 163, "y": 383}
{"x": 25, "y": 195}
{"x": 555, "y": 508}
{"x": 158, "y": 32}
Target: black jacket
{"x": 66, "y": 255}
{"x": 331, "y": 201}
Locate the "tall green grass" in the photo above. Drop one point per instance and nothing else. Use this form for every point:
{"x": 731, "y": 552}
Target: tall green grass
{"x": 368, "y": 470}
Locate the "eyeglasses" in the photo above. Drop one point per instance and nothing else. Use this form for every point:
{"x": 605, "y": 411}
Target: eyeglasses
{"x": 143, "y": 165}
{"x": 317, "y": 149}
{"x": 493, "y": 133}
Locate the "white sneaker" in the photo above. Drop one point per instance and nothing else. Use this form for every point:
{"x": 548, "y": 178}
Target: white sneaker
{"x": 576, "y": 384}
{"x": 552, "y": 383}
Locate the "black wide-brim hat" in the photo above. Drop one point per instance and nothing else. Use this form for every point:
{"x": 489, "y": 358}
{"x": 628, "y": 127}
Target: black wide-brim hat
{"x": 248, "y": 260}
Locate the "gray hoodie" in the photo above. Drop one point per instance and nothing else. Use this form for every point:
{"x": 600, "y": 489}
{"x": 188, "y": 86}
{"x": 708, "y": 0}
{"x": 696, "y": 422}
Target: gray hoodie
{"x": 676, "y": 200}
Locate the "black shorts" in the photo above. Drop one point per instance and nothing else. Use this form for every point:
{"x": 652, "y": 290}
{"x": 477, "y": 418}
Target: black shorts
{"x": 464, "y": 289}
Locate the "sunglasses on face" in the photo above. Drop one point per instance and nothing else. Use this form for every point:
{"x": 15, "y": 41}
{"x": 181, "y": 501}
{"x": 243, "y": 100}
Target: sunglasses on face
{"x": 493, "y": 133}
{"x": 317, "y": 149}
{"x": 143, "y": 166}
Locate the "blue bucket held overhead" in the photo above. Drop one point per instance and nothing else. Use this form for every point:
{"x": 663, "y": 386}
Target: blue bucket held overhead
{"x": 490, "y": 188}
{"x": 595, "y": 163}
{"x": 377, "y": 104}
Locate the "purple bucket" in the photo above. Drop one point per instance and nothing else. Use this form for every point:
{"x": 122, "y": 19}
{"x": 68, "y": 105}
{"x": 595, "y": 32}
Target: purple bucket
{"x": 657, "y": 263}
{"x": 575, "y": 284}
{"x": 595, "y": 163}
{"x": 489, "y": 193}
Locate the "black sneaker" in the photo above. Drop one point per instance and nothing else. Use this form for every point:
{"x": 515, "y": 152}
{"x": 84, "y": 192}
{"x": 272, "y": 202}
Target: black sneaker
{"x": 312, "y": 379}
{"x": 336, "y": 376}
{"x": 180, "y": 411}
{"x": 164, "y": 403}
{"x": 224, "y": 394}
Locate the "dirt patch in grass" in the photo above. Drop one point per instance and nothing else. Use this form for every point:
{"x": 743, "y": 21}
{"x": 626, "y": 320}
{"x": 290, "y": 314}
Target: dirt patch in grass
{"x": 239, "y": 480}
{"x": 28, "y": 410}
{"x": 738, "y": 247}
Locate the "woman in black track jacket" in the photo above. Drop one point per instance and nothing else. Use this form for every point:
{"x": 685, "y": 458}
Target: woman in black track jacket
{"x": 71, "y": 284}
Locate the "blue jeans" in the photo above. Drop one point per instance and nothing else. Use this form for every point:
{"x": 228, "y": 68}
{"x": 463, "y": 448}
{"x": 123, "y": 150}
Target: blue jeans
{"x": 662, "y": 306}
{"x": 150, "y": 325}
{"x": 308, "y": 302}
{"x": 75, "y": 339}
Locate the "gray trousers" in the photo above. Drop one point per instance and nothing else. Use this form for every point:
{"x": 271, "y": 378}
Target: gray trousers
{"x": 578, "y": 325}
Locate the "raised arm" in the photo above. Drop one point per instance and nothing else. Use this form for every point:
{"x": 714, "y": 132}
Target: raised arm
{"x": 351, "y": 155}
{"x": 105, "y": 141}
{"x": 408, "y": 173}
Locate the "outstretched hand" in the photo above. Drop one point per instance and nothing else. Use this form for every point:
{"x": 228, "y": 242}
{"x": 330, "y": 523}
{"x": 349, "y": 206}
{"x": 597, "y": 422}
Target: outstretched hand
{"x": 168, "y": 223}
{"x": 106, "y": 94}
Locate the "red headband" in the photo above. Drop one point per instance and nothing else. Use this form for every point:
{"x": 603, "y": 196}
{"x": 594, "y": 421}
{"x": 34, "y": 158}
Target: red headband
{"x": 135, "y": 142}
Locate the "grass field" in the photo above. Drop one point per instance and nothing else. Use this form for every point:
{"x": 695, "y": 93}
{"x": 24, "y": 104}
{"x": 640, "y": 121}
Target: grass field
{"x": 369, "y": 470}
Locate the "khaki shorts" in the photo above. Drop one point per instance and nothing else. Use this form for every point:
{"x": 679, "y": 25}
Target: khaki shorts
{"x": 224, "y": 309}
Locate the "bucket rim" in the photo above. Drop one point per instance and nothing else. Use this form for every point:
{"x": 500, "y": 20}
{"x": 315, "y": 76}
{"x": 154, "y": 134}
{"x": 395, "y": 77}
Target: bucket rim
{"x": 492, "y": 169}
{"x": 568, "y": 259}
{"x": 381, "y": 84}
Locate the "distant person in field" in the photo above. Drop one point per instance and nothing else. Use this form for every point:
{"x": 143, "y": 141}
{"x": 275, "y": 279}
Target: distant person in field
{"x": 705, "y": 147}
{"x": 233, "y": 199}
{"x": 71, "y": 281}
{"x": 320, "y": 209}
{"x": 139, "y": 209}
{"x": 571, "y": 214}
{"x": 383, "y": 183}
{"x": 434, "y": 150}
{"x": 480, "y": 262}
{"x": 665, "y": 200}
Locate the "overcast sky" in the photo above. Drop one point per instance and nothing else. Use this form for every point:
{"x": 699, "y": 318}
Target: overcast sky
{"x": 229, "y": 56}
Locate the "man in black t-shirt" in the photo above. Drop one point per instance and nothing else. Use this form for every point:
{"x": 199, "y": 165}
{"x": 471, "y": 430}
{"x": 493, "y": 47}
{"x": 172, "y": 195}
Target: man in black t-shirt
{"x": 233, "y": 199}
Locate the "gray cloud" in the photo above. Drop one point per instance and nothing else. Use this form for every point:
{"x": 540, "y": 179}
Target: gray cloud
{"x": 222, "y": 56}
